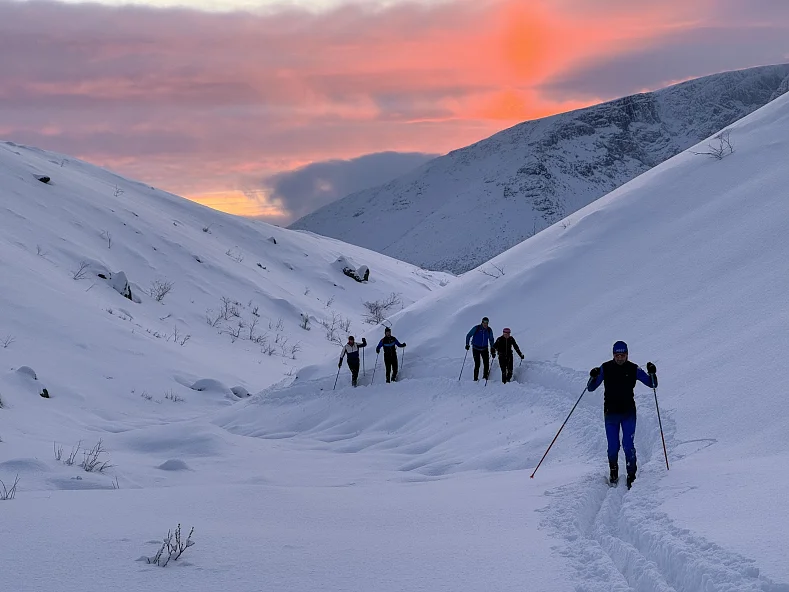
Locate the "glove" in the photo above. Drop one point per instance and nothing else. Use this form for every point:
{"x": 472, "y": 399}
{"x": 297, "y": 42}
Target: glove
{"x": 377, "y": 350}
{"x": 594, "y": 372}
{"x": 403, "y": 345}
{"x": 493, "y": 354}
{"x": 340, "y": 364}
{"x": 651, "y": 368}
{"x": 364, "y": 341}
{"x": 523, "y": 357}
{"x": 467, "y": 346}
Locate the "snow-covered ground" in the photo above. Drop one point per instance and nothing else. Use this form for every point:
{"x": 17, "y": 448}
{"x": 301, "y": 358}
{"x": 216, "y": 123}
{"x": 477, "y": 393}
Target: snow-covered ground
{"x": 424, "y": 484}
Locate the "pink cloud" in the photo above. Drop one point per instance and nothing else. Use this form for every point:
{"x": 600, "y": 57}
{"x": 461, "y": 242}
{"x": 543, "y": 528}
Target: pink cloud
{"x": 208, "y": 104}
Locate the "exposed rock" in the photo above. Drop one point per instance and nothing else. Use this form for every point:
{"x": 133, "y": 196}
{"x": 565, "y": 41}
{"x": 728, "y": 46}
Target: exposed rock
{"x": 27, "y": 371}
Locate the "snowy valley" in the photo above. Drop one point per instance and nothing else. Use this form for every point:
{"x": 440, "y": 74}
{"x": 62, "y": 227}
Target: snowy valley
{"x": 423, "y": 484}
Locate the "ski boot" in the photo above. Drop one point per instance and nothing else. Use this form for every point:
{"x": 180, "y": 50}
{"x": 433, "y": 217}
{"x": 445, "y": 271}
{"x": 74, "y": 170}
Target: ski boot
{"x": 613, "y": 478}
{"x": 630, "y": 478}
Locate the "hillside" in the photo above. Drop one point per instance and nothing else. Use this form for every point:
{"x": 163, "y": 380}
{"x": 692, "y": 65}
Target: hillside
{"x": 457, "y": 211}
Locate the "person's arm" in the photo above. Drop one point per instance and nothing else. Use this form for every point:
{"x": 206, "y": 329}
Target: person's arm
{"x": 342, "y": 355}
{"x": 646, "y": 378}
{"x": 363, "y": 343}
{"x": 470, "y": 334}
{"x": 515, "y": 345}
{"x": 595, "y": 378}
{"x": 397, "y": 343}
{"x": 490, "y": 336}
{"x": 379, "y": 346}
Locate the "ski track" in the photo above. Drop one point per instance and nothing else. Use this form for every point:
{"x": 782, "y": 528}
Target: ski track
{"x": 616, "y": 540}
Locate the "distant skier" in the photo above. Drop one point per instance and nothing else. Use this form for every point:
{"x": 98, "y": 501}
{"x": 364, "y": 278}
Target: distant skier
{"x": 390, "y": 345}
{"x": 619, "y": 377}
{"x": 480, "y": 336}
{"x": 503, "y": 346}
{"x": 352, "y": 350}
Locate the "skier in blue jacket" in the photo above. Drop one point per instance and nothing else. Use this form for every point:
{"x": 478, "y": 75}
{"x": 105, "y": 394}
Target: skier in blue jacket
{"x": 619, "y": 377}
{"x": 389, "y": 343}
{"x": 480, "y": 336}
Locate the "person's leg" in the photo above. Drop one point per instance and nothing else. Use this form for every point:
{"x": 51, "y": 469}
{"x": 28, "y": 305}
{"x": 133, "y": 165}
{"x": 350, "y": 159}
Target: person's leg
{"x": 612, "y": 424}
{"x": 509, "y": 368}
{"x": 628, "y": 443}
{"x": 486, "y": 363}
{"x": 394, "y": 366}
{"x": 354, "y": 366}
{"x": 388, "y": 364}
{"x": 477, "y": 355}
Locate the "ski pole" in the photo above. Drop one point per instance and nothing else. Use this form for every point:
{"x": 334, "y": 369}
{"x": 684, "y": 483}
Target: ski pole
{"x": 560, "y": 431}
{"x": 402, "y": 360}
{"x": 490, "y": 369}
{"x": 374, "y": 367}
{"x": 654, "y": 390}
{"x": 335, "y": 379}
{"x": 463, "y": 366}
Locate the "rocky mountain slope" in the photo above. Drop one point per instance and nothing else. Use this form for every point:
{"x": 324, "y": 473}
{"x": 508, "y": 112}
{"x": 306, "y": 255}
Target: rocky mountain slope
{"x": 459, "y": 210}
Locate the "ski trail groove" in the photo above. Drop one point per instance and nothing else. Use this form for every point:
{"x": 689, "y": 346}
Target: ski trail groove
{"x": 618, "y": 540}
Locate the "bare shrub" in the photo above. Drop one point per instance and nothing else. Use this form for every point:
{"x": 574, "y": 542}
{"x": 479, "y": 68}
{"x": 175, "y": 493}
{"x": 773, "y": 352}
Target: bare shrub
{"x": 305, "y": 321}
{"x": 8, "y": 494}
{"x": 160, "y": 289}
{"x": 82, "y": 271}
{"x": 255, "y": 312}
{"x": 294, "y": 349}
{"x": 146, "y": 396}
{"x": 329, "y": 302}
{"x": 7, "y": 340}
{"x": 378, "y": 310}
{"x": 278, "y": 326}
{"x": 721, "y": 147}
{"x": 172, "y": 396}
{"x": 306, "y": 290}
{"x": 71, "y": 458}
{"x": 117, "y": 192}
{"x": 251, "y": 326}
{"x": 235, "y": 254}
{"x": 105, "y": 234}
{"x": 494, "y": 271}
{"x": 58, "y": 451}
{"x": 173, "y": 546}
{"x": 91, "y": 463}
{"x": 213, "y": 318}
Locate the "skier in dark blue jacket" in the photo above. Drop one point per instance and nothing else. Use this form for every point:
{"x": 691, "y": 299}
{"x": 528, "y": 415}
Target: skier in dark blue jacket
{"x": 480, "y": 336}
{"x": 619, "y": 377}
{"x": 389, "y": 344}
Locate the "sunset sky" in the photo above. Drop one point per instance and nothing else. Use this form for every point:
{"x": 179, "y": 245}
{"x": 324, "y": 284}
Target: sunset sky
{"x": 264, "y": 108}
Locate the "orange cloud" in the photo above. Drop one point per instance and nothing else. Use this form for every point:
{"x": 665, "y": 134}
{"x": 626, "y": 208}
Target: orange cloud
{"x": 208, "y": 104}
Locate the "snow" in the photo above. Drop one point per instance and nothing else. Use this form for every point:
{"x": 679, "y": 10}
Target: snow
{"x": 462, "y": 209}
{"x": 423, "y": 484}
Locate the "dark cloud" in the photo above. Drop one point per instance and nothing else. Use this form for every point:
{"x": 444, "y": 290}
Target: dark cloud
{"x": 308, "y": 188}
{"x": 689, "y": 53}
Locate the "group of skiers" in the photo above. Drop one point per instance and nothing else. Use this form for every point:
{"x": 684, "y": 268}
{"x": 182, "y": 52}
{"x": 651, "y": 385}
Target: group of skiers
{"x": 388, "y": 343}
{"x": 618, "y": 376}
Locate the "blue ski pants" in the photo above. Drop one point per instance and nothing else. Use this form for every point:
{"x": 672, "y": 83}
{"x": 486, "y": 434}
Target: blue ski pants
{"x": 627, "y": 423}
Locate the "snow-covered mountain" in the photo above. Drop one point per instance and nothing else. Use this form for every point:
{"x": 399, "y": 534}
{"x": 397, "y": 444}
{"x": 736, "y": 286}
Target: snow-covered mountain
{"x": 422, "y": 484}
{"x": 459, "y": 210}
{"x": 251, "y": 297}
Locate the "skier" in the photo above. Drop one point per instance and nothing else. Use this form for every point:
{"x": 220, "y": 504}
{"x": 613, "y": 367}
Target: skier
{"x": 480, "y": 335}
{"x": 352, "y": 349}
{"x": 619, "y": 376}
{"x": 503, "y": 346}
{"x": 389, "y": 344}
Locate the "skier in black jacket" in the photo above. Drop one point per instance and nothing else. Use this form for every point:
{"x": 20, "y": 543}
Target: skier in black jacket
{"x": 503, "y": 347}
{"x": 619, "y": 377}
{"x": 389, "y": 344}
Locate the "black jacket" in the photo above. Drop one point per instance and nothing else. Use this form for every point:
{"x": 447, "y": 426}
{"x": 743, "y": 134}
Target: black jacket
{"x": 504, "y": 345}
{"x": 619, "y": 382}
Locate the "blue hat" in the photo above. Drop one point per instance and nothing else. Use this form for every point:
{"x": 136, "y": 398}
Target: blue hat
{"x": 620, "y": 347}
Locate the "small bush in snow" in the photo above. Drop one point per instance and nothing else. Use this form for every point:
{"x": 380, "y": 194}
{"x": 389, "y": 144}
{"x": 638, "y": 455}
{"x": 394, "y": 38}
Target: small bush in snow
{"x": 40, "y": 251}
{"x": 305, "y": 321}
{"x": 7, "y": 340}
{"x": 235, "y": 254}
{"x": 8, "y": 494}
{"x": 107, "y": 237}
{"x": 82, "y": 271}
{"x": 495, "y": 271}
{"x": 91, "y": 461}
{"x": 173, "y": 546}
{"x": 172, "y": 396}
{"x": 146, "y": 396}
{"x": 378, "y": 310}
{"x": 58, "y": 451}
{"x": 721, "y": 148}
{"x": 160, "y": 289}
